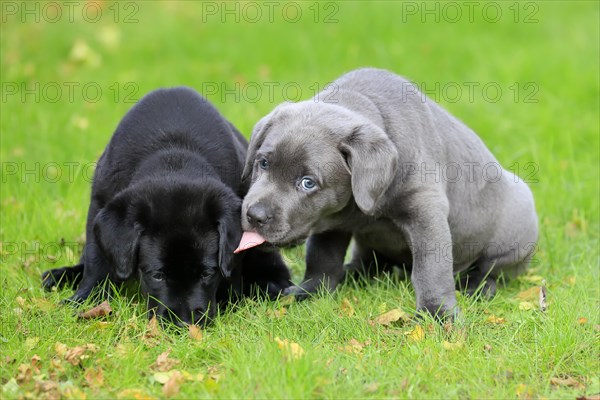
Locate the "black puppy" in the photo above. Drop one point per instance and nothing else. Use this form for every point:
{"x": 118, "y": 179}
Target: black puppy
{"x": 165, "y": 204}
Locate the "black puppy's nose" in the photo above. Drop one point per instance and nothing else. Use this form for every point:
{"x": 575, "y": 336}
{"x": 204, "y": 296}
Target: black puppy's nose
{"x": 258, "y": 213}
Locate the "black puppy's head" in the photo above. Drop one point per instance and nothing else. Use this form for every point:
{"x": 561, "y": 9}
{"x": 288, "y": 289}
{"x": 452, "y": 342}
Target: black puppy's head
{"x": 179, "y": 238}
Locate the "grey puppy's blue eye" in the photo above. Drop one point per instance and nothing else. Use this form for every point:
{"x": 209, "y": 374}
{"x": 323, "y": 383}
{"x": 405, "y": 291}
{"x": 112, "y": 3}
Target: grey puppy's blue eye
{"x": 263, "y": 163}
{"x": 307, "y": 184}
{"x": 158, "y": 276}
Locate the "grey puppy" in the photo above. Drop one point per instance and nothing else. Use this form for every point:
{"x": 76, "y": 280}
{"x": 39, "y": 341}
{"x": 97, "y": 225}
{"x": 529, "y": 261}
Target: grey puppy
{"x": 371, "y": 158}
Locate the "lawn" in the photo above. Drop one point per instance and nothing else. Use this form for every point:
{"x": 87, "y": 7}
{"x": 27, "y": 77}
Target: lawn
{"x": 524, "y": 75}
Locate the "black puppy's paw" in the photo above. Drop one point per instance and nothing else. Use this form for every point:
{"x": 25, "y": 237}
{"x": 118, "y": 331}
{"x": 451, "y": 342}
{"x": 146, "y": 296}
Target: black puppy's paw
{"x": 275, "y": 289}
{"x": 309, "y": 288}
{"x": 61, "y": 277}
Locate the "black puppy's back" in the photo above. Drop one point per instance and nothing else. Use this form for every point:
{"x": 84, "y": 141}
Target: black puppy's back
{"x": 171, "y": 119}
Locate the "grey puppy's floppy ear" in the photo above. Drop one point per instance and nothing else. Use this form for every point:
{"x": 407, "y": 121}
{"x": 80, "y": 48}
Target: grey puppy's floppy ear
{"x": 373, "y": 160}
{"x": 256, "y": 140}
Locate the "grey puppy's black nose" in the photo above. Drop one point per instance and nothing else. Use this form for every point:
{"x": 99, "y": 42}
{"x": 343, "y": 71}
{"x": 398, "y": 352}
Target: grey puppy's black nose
{"x": 257, "y": 213}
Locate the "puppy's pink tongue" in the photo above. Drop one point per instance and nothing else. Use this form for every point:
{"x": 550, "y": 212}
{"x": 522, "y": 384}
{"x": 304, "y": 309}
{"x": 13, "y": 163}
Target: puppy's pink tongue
{"x": 249, "y": 240}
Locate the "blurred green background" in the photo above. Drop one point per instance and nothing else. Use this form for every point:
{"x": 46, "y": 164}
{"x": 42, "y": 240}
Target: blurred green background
{"x": 523, "y": 75}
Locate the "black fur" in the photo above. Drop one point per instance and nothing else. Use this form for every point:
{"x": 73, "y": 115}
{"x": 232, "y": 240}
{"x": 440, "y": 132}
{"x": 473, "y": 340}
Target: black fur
{"x": 165, "y": 208}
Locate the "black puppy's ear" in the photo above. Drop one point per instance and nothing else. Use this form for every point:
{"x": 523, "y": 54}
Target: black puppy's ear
{"x": 373, "y": 160}
{"x": 118, "y": 235}
{"x": 256, "y": 140}
{"x": 230, "y": 233}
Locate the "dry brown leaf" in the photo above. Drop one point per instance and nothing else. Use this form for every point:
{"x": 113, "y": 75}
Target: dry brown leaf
{"x": 487, "y": 347}
{"x": 101, "y": 310}
{"x": 8, "y": 360}
{"x": 49, "y": 389}
{"x": 76, "y": 354}
{"x": 24, "y": 374}
{"x": 531, "y": 294}
{"x": 36, "y": 362}
{"x": 416, "y": 334}
{"x": 195, "y": 332}
{"x": 151, "y": 337}
{"x": 172, "y": 385}
{"x": 347, "y": 308}
{"x": 291, "y": 350}
{"x": 386, "y": 319}
{"x": 590, "y": 397}
{"x": 492, "y": 319}
{"x": 152, "y": 329}
{"x": 94, "y": 377}
{"x": 73, "y": 355}
{"x": 566, "y": 380}
{"x": 163, "y": 363}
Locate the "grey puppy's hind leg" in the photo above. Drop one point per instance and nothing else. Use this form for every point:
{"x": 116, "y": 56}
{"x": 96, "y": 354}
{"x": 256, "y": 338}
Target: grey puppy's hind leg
{"x": 483, "y": 277}
{"x": 478, "y": 280}
{"x": 367, "y": 262}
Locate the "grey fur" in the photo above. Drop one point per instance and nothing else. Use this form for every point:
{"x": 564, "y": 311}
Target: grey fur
{"x": 373, "y": 142}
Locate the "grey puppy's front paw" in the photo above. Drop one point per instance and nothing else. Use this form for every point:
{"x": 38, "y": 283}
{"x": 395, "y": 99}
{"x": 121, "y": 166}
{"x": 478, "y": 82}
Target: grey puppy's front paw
{"x": 443, "y": 312}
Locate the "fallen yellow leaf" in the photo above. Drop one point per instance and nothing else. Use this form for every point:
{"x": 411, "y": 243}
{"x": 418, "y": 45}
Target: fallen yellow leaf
{"x": 391, "y": 316}
{"x": 417, "y": 334}
{"x": 492, "y": 319}
{"x": 195, "y": 332}
{"x": 291, "y": 350}
{"x": 347, "y": 308}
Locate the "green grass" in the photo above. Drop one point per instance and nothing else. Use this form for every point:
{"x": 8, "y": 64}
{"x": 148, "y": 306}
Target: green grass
{"x": 239, "y": 356}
